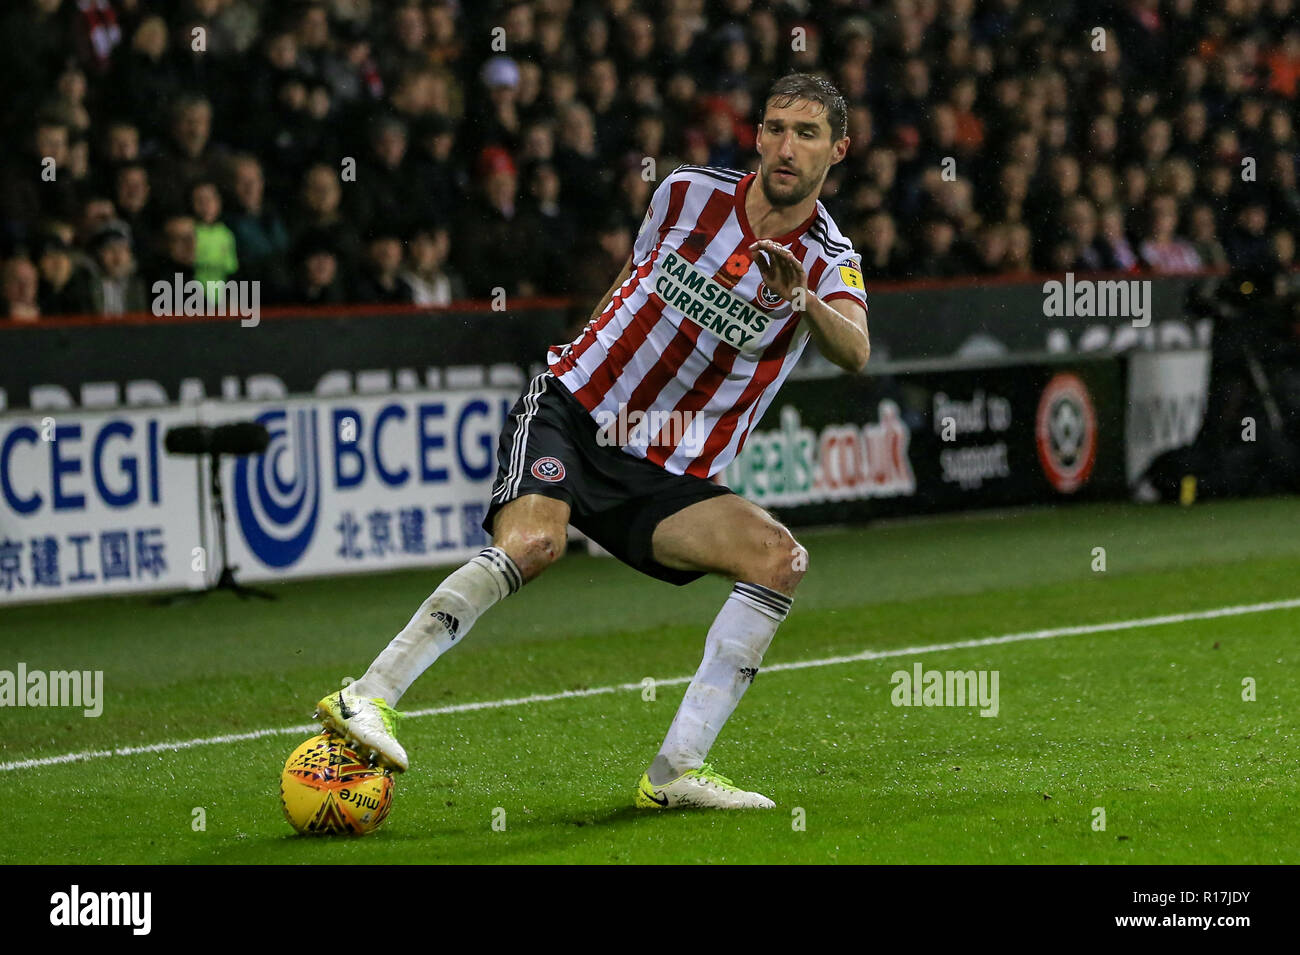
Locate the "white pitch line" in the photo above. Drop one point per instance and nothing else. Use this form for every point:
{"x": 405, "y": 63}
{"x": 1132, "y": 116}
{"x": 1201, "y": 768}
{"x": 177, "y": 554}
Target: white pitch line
{"x": 865, "y": 655}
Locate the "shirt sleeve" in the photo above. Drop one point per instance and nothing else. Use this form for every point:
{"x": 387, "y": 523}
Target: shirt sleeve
{"x": 843, "y": 279}
{"x": 647, "y": 237}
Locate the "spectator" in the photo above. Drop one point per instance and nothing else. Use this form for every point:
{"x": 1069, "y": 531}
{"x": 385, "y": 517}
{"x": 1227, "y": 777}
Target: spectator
{"x": 938, "y": 234}
{"x": 578, "y": 160}
{"x": 116, "y": 288}
{"x": 320, "y": 212}
{"x": 355, "y": 79}
{"x": 317, "y": 275}
{"x": 315, "y": 46}
{"x": 426, "y": 272}
{"x": 290, "y": 135}
{"x": 1284, "y": 64}
{"x": 176, "y": 261}
{"x": 970, "y": 128}
{"x": 1018, "y": 257}
{"x": 277, "y": 60}
{"x": 1176, "y": 178}
{"x": 608, "y": 111}
{"x": 1080, "y": 225}
{"x": 381, "y": 280}
{"x": 190, "y": 155}
{"x": 69, "y": 99}
{"x": 632, "y": 195}
{"x": 1103, "y": 138}
{"x": 382, "y": 193}
{"x": 145, "y": 81}
{"x": 1155, "y": 143}
{"x": 1133, "y": 185}
{"x": 990, "y": 249}
{"x": 21, "y": 285}
{"x": 215, "y": 259}
{"x": 500, "y": 123}
{"x": 35, "y": 40}
{"x": 1203, "y": 234}
{"x": 133, "y": 195}
{"x": 1247, "y": 243}
{"x": 1284, "y": 195}
{"x": 720, "y": 133}
{"x": 882, "y": 255}
{"x": 1045, "y": 206}
{"x": 1216, "y": 188}
{"x": 550, "y": 228}
{"x": 95, "y": 212}
{"x": 409, "y": 34}
{"x": 261, "y": 238}
{"x": 444, "y": 42}
{"x": 592, "y": 268}
{"x": 434, "y": 168}
{"x": 1011, "y": 193}
{"x": 77, "y": 172}
{"x": 121, "y": 142}
{"x": 1163, "y": 251}
{"x": 64, "y": 282}
{"x": 1283, "y": 245}
{"x": 1190, "y": 141}
{"x": 1099, "y": 183}
{"x": 1116, "y": 249}
{"x": 491, "y": 255}
{"x": 26, "y": 192}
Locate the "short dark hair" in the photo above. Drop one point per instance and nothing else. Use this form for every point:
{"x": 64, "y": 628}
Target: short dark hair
{"x": 815, "y": 89}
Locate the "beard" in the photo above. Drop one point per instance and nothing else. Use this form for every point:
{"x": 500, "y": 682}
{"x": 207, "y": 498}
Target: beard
{"x": 783, "y": 194}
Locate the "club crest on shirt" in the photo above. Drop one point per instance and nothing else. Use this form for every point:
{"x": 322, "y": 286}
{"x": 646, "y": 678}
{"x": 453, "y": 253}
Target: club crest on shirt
{"x": 766, "y": 297}
{"x": 548, "y": 469}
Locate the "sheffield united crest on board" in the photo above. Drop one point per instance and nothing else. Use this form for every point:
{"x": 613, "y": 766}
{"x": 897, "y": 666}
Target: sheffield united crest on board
{"x": 1065, "y": 431}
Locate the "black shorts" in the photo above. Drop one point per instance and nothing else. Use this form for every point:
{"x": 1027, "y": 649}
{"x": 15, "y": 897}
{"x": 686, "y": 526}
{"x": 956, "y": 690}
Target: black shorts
{"x": 549, "y": 446}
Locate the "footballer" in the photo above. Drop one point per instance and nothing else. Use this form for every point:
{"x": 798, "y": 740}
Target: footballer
{"x": 731, "y": 274}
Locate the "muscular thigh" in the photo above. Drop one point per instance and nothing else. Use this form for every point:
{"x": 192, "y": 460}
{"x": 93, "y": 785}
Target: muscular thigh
{"x": 734, "y": 537}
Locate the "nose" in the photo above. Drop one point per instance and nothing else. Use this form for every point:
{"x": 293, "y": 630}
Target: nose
{"x": 787, "y": 146}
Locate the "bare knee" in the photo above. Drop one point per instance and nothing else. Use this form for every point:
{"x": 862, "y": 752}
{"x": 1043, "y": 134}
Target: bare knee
{"x": 780, "y": 561}
{"x": 533, "y": 549}
{"x": 533, "y": 531}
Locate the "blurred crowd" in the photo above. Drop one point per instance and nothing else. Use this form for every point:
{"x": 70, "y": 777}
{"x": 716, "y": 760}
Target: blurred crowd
{"x": 426, "y": 151}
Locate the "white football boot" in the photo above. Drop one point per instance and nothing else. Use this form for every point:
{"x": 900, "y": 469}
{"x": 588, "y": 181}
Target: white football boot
{"x": 702, "y": 788}
{"x": 370, "y": 725}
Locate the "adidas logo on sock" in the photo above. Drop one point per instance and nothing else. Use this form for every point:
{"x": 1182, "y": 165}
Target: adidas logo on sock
{"x": 448, "y": 621}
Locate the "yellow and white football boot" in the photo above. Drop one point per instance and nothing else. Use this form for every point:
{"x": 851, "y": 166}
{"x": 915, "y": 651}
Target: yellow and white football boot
{"x": 369, "y": 725}
{"x": 702, "y": 788}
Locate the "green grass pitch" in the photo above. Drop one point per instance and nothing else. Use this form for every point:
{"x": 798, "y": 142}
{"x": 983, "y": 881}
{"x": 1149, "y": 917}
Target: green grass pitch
{"x": 1146, "y": 723}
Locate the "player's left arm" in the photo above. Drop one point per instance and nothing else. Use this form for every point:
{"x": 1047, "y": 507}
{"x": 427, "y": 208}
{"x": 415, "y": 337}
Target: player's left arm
{"x": 838, "y": 326}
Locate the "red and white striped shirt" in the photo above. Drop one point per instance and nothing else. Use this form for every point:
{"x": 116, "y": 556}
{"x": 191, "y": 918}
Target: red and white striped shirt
{"x": 693, "y": 346}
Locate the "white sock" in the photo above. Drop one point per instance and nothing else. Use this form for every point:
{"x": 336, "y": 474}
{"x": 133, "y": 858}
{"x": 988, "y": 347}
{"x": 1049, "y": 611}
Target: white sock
{"x": 733, "y": 651}
{"x": 442, "y": 619}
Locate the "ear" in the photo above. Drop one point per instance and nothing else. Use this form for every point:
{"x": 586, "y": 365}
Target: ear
{"x": 839, "y": 150}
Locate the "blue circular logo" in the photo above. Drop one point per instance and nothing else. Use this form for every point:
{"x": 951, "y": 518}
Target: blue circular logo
{"x": 277, "y": 493}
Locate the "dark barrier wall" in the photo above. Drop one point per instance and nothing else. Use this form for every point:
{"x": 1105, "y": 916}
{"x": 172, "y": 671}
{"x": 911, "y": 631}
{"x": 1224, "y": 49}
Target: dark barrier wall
{"x": 294, "y": 352}
{"x": 961, "y": 318}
